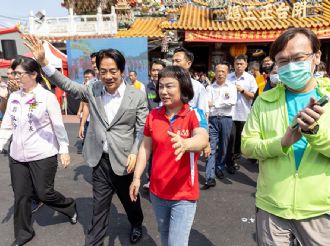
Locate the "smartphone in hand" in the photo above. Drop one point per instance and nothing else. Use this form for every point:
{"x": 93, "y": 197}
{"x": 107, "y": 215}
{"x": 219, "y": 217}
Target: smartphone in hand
{"x": 323, "y": 101}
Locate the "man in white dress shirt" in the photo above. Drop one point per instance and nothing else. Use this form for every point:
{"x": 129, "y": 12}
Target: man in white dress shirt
{"x": 222, "y": 96}
{"x": 246, "y": 88}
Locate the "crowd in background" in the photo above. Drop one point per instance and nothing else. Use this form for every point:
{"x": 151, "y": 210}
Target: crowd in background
{"x": 274, "y": 113}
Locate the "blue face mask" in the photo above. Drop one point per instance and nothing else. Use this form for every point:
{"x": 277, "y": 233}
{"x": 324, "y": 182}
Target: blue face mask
{"x": 318, "y": 74}
{"x": 295, "y": 75}
{"x": 274, "y": 78}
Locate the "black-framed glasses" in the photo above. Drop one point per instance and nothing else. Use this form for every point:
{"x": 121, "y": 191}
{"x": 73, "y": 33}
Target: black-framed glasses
{"x": 296, "y": 58}
{"x": 18, "y": 74}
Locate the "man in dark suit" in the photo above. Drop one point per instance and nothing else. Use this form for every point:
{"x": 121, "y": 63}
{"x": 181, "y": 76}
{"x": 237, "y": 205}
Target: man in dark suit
{"x": 117, "y": 116}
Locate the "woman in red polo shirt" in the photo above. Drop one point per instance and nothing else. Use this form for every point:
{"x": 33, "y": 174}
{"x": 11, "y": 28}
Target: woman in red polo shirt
{"x": 174, "y": 133}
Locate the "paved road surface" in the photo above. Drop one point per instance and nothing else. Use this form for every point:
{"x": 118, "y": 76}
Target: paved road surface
{"x": 225, "y": 214}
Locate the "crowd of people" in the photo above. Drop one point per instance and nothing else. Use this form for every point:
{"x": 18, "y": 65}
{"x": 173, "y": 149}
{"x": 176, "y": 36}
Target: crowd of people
{"x": 274, "y": 113}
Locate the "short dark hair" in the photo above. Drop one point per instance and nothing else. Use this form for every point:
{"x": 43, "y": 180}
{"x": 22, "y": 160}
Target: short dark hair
{"x": 132, "y": 71}
{"x": 189, "y": 55}
{"x": 29, "y": 65}
{"x": 280, "y": 43}
{"x": 241, "y": 57}
{"x": 89, "y": 71}
{"x": 115, "y": 55}
{"x": 94, "y": 54}
{"x": 183, "y": 76}
{"x": 158, "y": 61}
{"x": 225, "y": 63}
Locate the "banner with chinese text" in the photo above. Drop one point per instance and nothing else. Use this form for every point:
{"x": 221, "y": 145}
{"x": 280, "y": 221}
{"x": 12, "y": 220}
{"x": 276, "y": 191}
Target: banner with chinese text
{"x": 244, "y": 36}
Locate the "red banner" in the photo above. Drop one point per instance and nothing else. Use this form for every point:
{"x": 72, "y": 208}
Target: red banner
{"x": 244, "y": 36}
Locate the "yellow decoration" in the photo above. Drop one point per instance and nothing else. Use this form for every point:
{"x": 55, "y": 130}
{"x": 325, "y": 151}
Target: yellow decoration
{"x": 251, "y": 2}
{"x": 249, "y": 15}
{"x": 233, "y": 13}
{"x": 266, "y": 13}
{"x": 299, "y": 10}
{"x": 237, "y": 49}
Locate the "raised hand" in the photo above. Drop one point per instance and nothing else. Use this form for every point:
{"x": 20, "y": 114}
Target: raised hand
{"x": 308, "y": 117}
{"x": 290, "y": 137}
{"x": 35, "y": 45}
{"x": 13, "y": 85}
{"x": 178, "y": 145}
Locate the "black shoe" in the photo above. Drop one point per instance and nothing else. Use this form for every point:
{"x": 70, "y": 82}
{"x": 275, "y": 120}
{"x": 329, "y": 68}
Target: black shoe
{"x": 208, "y": 184}
{"x": 136, "y": 234}
{"x": 18, "y": 243}
{"x": 219, "y": 174}
{"x": 74, "y": 218}
{"x": 231, "y": 170}
{"x": 236, "y": 166}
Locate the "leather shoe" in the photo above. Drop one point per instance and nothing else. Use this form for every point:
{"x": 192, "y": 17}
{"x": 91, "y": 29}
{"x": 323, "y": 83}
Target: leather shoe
{"x": 74, "y": 218}
{"x": 18, "y": 243}
{"x": 231, "y": 170}
{"x": 208, "y": 184}
{"x": 219, "y": 174}
{"x": 236, "y": 166}
{"x": 136, "y": 234}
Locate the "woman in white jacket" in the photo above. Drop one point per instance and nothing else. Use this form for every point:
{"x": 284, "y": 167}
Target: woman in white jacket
{"x": 33, "y": 119}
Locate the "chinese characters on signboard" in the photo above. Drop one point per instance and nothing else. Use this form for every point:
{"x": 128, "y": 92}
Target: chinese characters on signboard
{"x": 266, "y": 12}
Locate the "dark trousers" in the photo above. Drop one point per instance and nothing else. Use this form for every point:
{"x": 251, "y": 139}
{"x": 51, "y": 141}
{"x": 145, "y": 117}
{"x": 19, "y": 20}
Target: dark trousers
{"x": 219, "y": 132}
{"x": 105, "y": 184}
{"x": 234, "y": 145}
{"x": 34, "y": 193}
{"x": 39, "y": 175}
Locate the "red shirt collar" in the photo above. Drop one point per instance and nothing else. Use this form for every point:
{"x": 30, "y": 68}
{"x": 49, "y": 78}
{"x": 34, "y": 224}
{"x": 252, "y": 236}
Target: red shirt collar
{"x": 185, "y": 108}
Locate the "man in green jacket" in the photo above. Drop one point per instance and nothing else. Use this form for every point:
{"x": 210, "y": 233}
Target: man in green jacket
{"x": 293, "y": 188}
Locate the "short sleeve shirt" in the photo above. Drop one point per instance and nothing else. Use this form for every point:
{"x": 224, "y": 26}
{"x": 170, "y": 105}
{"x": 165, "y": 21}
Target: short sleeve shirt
{"x": 171, "y": 179}
{"x": 243, "y": 105}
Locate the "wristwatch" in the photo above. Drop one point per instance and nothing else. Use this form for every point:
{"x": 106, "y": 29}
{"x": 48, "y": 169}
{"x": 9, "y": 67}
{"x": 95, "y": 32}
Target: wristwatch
{"x": 242, "y": 91}
{"x": 312, "y": 130}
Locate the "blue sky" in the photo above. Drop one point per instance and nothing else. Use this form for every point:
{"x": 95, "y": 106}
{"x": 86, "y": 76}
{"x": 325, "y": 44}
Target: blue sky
{"x": 14, "y": 11}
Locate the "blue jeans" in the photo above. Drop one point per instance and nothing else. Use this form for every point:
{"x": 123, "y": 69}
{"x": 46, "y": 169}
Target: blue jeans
{"x": 219, "y": 132}
{"x": 174, "y": 219}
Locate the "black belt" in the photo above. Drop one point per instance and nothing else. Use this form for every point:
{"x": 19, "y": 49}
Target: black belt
{"x": 105, "y": 155}
{"x": 220, "y": 116}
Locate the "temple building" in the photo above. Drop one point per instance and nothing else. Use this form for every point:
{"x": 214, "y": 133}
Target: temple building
{"x": 214, "y": 30}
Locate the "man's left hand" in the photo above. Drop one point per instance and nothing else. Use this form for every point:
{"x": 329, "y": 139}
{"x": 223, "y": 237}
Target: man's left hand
{"x": 131, "y": 161}
{"x": 239, "y": 88}
{"x": 308, "y": 117}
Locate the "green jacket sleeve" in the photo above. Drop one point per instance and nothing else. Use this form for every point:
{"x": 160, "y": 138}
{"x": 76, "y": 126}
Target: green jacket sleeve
{"x": 253, "y": 144}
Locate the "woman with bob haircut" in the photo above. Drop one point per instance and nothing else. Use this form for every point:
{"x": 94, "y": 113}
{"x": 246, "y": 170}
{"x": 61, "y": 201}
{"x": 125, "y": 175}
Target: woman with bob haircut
{"x": 33, "y": 119}
{"x": 175, "y": 133}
